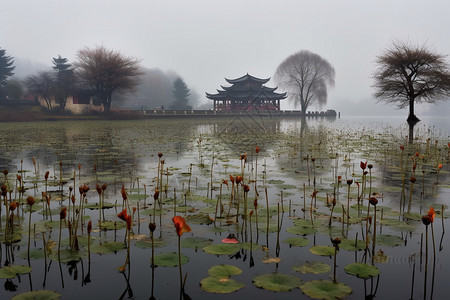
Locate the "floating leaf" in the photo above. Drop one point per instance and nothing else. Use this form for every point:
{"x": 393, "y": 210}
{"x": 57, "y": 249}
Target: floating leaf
{"x": 68, "y": 255}
{"x": 222, "y": 249}
{"x": 220, "y": 285}
{"x": 322, "y": 250}
{"x": 38, "y": 295}
{"x": 277, "y": 282}
{"x": 413, "y": 216}
{"x": 200, "y": 219}
{"x": 147, "y": 243}
{"x": 389, "y": 240}
{"x": 13, "y": 271}
{"x": 224, "y": 271}
{"x": 351, "y": 245}
{"x": 362, "y": 270}
{"x": 271, "y": 260}
{"x": 301, "y": 230}
{"x": 296, "y": 241}
{"x": 327, "y": 290}
{"x": 195, "y": 242}
{"x": 107, "y": 247}
{"x": 169, "y": 259}
{"x": 312, "y": 267}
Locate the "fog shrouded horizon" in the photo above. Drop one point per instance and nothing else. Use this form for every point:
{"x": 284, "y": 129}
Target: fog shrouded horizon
{"x": 207, "y": 41}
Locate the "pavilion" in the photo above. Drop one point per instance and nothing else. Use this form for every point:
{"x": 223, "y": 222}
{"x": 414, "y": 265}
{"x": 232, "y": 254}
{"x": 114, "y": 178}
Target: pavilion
{"x": 246, "y": 93}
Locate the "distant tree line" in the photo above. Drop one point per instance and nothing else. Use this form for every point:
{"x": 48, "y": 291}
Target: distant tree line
{"x": 406, "y": 74}
{"x": 104, "y": 74}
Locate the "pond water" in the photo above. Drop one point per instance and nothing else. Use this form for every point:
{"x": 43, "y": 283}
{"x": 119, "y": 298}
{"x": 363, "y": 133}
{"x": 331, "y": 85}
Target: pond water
{"x": 296, "y": 158}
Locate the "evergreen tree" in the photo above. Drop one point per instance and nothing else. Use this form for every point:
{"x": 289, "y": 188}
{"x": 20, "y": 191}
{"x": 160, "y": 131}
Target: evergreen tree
{"x": 6, "y": 68}
{"x": 64, "y": 80}
{"x": 181, "y": 94}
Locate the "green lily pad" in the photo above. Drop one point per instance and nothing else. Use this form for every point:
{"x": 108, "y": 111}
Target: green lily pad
{"x": 312, "y": 267}
{"x": 13, "y": 271}
{"x": 224, "y": 271}
{"x": 195, "y": 242}
{"x": 389, "y": 240}
{"x": 277, "y": 282}
{"x": 34, "y": 254}
{"x": 361, "y": 270}
{"x": 296, "y": 241}
{"x": 169, "y": 259}
{"x": 67, "y": 255}
{"x": 350, "y": 245}
{"x": 413, "y": 216}
{"x": 222, "y": 249}
{"x": 111, "y": 225}
{"x": 107, "y": 247}
{"x": 147, "y": 243}
{"x": 301, "y": 230}
{"x": 199, "y": 218}
{"x": 38, "y": 295}
{"x": 220, "y": 285}
{"x": 248, "y": 246}
{"x": 322, "y": 250}
{"x": 327, "y": 290}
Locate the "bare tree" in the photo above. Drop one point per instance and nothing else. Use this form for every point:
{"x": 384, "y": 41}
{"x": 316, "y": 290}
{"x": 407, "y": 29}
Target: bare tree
{"x": 305, "y": 76}
{"x": 106, "y": 72}
{"x": 409, "y": 74}
{"x": 42, "y": 84}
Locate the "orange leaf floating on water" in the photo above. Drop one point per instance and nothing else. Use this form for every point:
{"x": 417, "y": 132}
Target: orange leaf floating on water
{"x": 231, "y": 240}
{"x": 180, "y": 225}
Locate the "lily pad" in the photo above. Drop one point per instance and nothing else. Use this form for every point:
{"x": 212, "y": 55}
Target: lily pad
{"x": 38, "y": 295}
{"x": 277, "y": 282}
{"x": 351, "y": 245}
{"x": 220, "y": 285}
{"x": 107, "y": 247}
{"x": 169, "y": 259}
{"x": 296, "y": 241}
{"x": 389, "y": 240}
{"x": 301, "y": 230}
{"x": 13, "y": 271}
{"x": 361, "y": 270}
{"x": 327, "y": 290}
{"x": 67, "y": 255}
{"x": 222, "y": 249}
{"x": 312, "y": 267}
{"x": 322, "y": 250}
{"x": 224, "y": 271}
{"x": 195, "y": 242}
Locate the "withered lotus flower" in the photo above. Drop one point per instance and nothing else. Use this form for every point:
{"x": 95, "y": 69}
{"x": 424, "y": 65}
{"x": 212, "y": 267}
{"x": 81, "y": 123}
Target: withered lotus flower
{"x": 180, "y": 225}
{"x": 89, "y": 227}
{"x": 160, "y": 154}
{"x": 63, "y": 213}
{"x": 431, "y": 213}
{"x": 123, "y": 215}
{"x": 257, "y": 149}
{"x": 12, "y": 205}
{"x": 30, "y": 200}
{"x": 46, "y": 175}
{"x": 363, "y": 165}
{"x": 373, "y": 201}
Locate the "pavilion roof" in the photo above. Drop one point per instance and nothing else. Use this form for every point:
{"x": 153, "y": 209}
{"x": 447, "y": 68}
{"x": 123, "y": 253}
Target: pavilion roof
{"x": 239, "y": 91}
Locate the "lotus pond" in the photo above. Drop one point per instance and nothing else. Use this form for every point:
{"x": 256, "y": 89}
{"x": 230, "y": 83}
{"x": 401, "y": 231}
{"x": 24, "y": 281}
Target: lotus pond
{"x": 273, "y": 208}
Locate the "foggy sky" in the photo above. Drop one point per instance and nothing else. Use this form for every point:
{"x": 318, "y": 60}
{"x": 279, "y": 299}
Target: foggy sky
{"x": 205, "y": 41}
